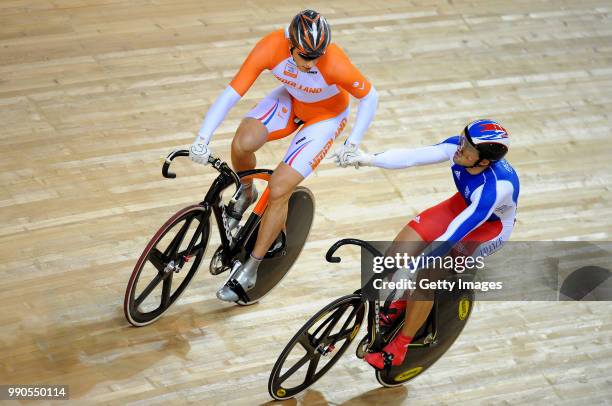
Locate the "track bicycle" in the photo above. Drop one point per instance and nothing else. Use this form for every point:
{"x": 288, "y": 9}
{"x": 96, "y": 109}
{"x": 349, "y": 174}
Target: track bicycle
{"x": 326, "y": 336}
{"x": 172, "y": 257}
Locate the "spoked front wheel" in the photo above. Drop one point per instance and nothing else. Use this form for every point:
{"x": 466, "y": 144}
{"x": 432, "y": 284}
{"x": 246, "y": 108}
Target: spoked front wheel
{"x": 167, "y": 265}
{"x": 316, "y": 347}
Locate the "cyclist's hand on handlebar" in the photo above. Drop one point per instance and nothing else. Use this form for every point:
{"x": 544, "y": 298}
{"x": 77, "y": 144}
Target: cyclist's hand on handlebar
{"x": 199, "y": 152}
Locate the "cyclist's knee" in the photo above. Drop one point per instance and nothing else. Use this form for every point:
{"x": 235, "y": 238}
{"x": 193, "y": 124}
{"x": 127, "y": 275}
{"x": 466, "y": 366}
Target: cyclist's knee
{"x": 250, "y": 136}
{"x": 279, "y": 191}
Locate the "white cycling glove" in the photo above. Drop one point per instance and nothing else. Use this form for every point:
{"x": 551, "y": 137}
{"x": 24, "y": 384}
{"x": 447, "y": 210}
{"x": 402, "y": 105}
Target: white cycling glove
{"x": 343, "y": 153}
{"x": 360, "y": 159}
{"x": 199, "y": 152}
{"x": 350, "y": 155}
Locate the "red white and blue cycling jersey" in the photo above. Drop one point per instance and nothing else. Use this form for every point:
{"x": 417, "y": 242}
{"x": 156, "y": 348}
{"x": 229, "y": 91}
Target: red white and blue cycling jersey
{"x": 482, "y": 211}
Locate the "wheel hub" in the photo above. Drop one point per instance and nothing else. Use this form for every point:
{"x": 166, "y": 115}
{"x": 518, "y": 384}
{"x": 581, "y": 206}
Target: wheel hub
{"x": 325, "y": 349}
{"x": 171, "y": 266}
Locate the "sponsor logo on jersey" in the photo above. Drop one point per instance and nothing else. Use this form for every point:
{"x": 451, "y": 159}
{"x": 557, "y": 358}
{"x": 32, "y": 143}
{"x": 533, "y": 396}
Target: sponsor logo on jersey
{"x": 359, "y": 85}
{"x": 506, "y": 166}
{"x": 282, "y": 112}
{"x": 290, "y": 70}
{"x": 458, "y": 174}
{"x": 306, "y": 89}
{"x": 300, "y": 140}
{"x": 490, "y": 247}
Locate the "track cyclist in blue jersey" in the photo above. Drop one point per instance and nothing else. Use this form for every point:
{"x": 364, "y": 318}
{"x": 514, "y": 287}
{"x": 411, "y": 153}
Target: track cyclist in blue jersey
{"x": 476, "y": 220}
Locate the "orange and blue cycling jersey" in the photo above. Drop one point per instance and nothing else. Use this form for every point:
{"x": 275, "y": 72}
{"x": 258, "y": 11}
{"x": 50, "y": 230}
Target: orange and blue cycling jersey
{"x": 319, "y": 94}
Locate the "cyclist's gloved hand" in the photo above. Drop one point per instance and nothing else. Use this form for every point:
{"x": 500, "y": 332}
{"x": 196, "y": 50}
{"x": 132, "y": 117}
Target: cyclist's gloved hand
{"x": 350, "y": 155}
{"x": 343, "y": 153}
{"x": 199, "y": 152}
{"x": 360, "y": 159}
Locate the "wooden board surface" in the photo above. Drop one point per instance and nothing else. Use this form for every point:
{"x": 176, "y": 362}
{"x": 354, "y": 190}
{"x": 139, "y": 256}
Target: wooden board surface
{"x": 94, "y": 92}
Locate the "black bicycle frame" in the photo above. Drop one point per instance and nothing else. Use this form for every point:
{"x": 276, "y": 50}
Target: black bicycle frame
{"x": 213, "y": 201}
{"x": 375, "y": 339}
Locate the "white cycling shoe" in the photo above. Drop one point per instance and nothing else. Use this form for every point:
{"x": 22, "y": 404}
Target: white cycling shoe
{"x": 246, "y": 197}
{"x": 240, "y": 282}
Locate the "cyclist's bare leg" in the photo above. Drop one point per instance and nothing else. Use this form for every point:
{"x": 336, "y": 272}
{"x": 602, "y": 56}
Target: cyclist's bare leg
{"x": 416, "y": 310}
{"x": 407, "y": 234}
{"x": 250, "y": 136}
{"x": 416, "y": 314}
{"x": 282, "y": 184}
{"x": 409, "y": 242}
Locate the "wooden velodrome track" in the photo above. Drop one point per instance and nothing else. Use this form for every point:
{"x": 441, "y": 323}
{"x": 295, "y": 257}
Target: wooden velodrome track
{"x": 93, "y": 92}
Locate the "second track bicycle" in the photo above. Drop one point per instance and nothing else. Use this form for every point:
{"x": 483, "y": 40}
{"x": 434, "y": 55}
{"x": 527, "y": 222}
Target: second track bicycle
{"x": 326, "y": 336}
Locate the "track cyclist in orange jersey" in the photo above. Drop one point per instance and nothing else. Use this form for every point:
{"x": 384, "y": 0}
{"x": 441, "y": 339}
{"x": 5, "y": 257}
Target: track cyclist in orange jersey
{"x": 316, "y": 79}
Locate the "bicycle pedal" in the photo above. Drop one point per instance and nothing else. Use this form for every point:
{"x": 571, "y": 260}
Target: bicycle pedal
{"x": 278, "y": 247}
{"x": 362, "y": 347}
{"x": 430, "y": 339}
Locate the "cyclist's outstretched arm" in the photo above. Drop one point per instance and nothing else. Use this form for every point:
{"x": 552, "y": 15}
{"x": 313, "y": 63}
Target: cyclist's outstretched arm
{"x": 405, "y": 158}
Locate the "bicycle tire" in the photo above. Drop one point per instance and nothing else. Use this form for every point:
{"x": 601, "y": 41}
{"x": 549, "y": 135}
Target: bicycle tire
{"x": 318, "y": 346}
{"x": 132, "y": 313}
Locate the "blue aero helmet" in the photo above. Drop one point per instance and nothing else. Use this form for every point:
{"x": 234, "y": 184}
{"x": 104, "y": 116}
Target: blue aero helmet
{"x": 489, "y": 138}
